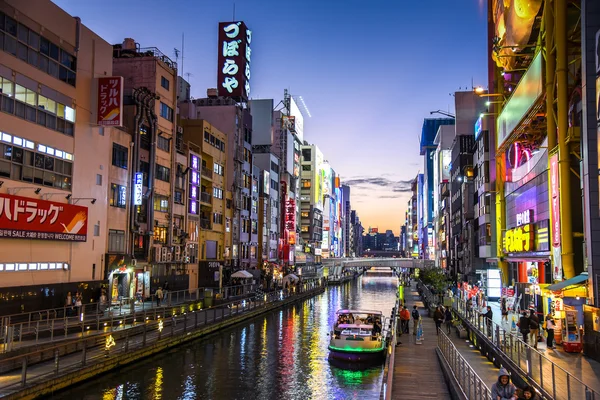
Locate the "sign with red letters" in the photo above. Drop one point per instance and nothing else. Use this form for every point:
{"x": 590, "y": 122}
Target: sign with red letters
{"x": 110, "y": 101}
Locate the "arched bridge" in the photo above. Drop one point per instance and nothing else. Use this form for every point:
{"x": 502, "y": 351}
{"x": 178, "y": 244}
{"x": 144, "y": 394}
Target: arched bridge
{"x": 367, "y": 262}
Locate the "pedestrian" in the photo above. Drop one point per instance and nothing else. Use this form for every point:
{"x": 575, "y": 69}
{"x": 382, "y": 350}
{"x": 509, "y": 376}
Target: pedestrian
{"x": 78, "y": 302}
{"x": 68, "y": 304}
{"x": 524, "y": 326}
{"x": 503, "y": 389}
{"x": 405, "y": 320}
{"x": 488, "y": 316}
{"x": 159, "y": 296}
{"x": 448, "y": 319}
{"x": 528, "y": 393}
{"x": 166, "y": 292}
{"x": 415, "y": 317}
{"x": 103, "y": 301}
{"x": 550, "y": 325}
{"x": 504, "y": 308}
{"x": 438, "y": 317}
{"x": 534, "y": 328}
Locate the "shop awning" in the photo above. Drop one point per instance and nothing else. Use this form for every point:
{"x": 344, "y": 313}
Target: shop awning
{"x": 579, "y": 279}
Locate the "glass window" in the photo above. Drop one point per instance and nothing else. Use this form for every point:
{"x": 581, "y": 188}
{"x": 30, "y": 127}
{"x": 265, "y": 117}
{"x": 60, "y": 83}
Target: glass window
{"x": 10, "y": 45}
{"x": 163, "y": 173}
{"x": 11, "y": 26}
{"x": 20, "y": 93}
{"x": 34, "y": 40}
{"x": 119, "y": 156}
{"x": 164, "y": 82}
{"x": 163, "y": 143}
{"x": 118, "y": 196}
{"x": 22, "y": 51}
{"x": 161, "y": 203}
{"x": 116, "y": 241}
{"x": 166, "y": 112}
{"x": 6, "y": 87}
{"x": 23, "y": 33}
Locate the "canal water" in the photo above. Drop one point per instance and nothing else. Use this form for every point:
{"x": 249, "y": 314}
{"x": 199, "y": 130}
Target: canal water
{"x": 280, "y": 355}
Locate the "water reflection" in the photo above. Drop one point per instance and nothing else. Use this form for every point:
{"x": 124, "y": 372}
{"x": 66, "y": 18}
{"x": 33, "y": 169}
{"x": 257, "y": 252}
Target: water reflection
{"x": 281, "y": 355}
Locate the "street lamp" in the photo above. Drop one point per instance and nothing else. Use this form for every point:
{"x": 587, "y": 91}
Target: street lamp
{"x": 447, "y": 114}
{"x": 16, "y": 190}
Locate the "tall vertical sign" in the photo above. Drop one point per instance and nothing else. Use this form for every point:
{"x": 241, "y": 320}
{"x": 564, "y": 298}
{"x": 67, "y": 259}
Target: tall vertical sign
{"x": 194, "y": 192}
{"x": 110, "y": 101}
{"x": 137, "y": 188}
{"x": 555, "y": 209}
{"x": 234, "y": 60}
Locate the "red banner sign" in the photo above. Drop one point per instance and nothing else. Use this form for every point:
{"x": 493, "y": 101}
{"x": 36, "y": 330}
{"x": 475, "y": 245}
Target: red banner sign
{"x": 110, "y": 101}
{"x": 27, "y": 218}
{"x": 290, "y": 215}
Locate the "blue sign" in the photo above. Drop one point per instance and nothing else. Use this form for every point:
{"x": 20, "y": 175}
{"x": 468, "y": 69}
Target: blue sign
{"x": 137, "y": 189}
{"x": 478, "y": 127}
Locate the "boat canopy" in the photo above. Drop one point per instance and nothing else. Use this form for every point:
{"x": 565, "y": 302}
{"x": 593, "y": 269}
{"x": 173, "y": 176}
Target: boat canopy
{"x": 354, "y": 326}
{"x": 341, "y": 312}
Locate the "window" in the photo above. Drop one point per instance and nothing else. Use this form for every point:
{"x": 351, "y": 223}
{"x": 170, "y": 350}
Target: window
{"x": 247, "y": 181}
{"x": 306, "y": 168}
{"x": 118, "y": 196}
{"x": 166, "y": 112}
{"x": 306, "y": 183}
{"x": 144, "y": 137}
{"x": 27, "y": 104}
{"x": 98, "y": 179}
{"x": 228, "y": 204}
{"x": 178, "y": 197}
{"x": 160, "y": 234}
{"x": 304, "y": 214}
{"x": 163, "y": 143}
{"x": 207, "y": 136}
{"x": 217, "y": 193}
{"x": 274, "y": 185}
{"x": 274, "y": 167}
{"x": 119, "y": 156}
{"x": 116, "y": 241}
{"x": 97, "y": 229}
{"x": 254, "y": 227}
{"x": 36, "y": 50}
{"x": 306, "y": 155}
{"x": 163, "y": 173}
{"x": 161, "y": 203}
{"x": 218, "y": 169}
{"x": 164, "y": 82}
{"x": 218, "y": 218}
{"x": 145, "y": 170}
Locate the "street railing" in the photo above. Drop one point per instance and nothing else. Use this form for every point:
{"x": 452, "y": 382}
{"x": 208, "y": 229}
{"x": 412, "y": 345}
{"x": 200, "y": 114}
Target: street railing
{"x": 388, "y": 376}
{"x": 155, "y": 325}
{"x": 471, "y": 384}
{"x": 43, "y": 325}
{"x": 551, "y": 378}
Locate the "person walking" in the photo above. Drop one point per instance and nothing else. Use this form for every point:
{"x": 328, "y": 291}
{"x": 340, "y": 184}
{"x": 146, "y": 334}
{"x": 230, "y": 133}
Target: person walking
{"x": 103, "y": 301}
{"x": 78, "y": 303}
{"x": 415, "y": 316}
{"x": 550, "y": 325}
{"x": 504, "y": 309}
{"x": 534, "y": 328}
{"x": 503, "y": 389}
{"x": 448, "y": 319}
{"x": 438, "y": 317}
{"x": 524, "y": 326}
{"x": 405, "y": 320}
{"x": 489, "y": 314}
{"x": 159, "y": 296}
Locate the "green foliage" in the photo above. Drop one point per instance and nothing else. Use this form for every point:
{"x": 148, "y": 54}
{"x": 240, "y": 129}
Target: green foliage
{"x": 434, "y": 277}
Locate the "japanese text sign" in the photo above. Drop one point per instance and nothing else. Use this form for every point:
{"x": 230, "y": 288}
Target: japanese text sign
{"x": 28, "y": 218}
{"x": 519, "y": 239}
{"x": 234, "y": 60}
{"x": 110, "y": 101}
{"x": 137, "y": 188}
{"x": 290, "y": 215}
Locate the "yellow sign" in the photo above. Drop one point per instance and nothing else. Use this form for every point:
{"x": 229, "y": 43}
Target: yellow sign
{"x": 110, "y": 342}
{"x": 160, "y": 325}
{"x": 519, "y": 239}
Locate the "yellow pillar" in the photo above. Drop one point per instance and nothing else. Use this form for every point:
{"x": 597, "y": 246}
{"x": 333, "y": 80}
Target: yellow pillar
{"x": 564, "y": 166}
{"x": 501, "y": 216}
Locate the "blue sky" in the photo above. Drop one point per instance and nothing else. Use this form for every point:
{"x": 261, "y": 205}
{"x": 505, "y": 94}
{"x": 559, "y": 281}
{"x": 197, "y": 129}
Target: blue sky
{"x": 369, "y": 71}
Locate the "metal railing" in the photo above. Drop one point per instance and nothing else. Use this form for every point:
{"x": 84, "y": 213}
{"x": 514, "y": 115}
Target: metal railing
{"x": 42, "y": 326}
{"x": 471, "y": 384}
{"x": 388, "y": 376}
{"x": 551, "y": 378}
{"x": 153, "y": 326}
{"x": 206, "y": 173}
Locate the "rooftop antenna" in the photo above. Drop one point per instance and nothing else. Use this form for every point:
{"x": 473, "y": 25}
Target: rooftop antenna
{"x": 188, "y": 74}
{"x": 182, "y": 41}
{"x": 176, "y": 51}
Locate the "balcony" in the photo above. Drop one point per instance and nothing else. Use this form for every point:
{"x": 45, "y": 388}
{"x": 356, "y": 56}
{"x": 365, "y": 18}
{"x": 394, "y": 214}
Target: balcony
{"x": 205, "y": 223}
{"x": 205, "y": 198}
{"x": 206, "y": 173}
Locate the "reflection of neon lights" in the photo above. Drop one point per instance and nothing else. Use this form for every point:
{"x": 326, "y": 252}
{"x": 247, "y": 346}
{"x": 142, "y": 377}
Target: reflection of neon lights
{"x": 158, "y": 383}
{"x": 356, "y": 350}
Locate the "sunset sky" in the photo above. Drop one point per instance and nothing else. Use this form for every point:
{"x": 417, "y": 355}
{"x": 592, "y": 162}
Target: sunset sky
{"x": 369, "y": 72}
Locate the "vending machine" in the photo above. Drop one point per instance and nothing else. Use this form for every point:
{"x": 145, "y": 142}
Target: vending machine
{"x": 571, "y": 336}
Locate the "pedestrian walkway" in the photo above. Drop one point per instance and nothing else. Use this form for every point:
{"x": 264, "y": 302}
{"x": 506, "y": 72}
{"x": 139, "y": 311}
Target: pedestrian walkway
{"x": 577, "y": 364}
{"x": 417, "y": 372}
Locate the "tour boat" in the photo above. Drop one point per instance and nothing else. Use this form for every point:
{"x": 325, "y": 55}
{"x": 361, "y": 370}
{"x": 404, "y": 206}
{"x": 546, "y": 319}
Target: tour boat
{"x": 358, "y": 336}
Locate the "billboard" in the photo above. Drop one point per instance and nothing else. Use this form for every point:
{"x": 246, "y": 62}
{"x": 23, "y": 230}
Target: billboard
{"x": 555, "y": 212}
{"x": 298, "y": 119}
{"x": 528, "y": 91}
{"x": 28, "y": 218}
{"x": 266, "y": 186}
{"x": 194, "y": 187}
{"x": 290, "y": 215}
{"x": 110, "y": 101}
{"x": 137, "y": 188}
{"x": 234, "y": 60}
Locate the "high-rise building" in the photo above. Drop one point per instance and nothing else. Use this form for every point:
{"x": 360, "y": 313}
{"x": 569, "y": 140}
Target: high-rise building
{"x": 346, "y": 224}
{"x": 54, "y": 171}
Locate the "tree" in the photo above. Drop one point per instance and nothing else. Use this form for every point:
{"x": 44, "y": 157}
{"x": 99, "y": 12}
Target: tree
{"x": 435, "y": 277}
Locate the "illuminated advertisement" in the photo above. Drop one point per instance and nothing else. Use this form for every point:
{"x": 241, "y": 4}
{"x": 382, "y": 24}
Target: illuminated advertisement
{"x": 137, "y": 188}
{"x": 266, "y": 182}
{"x": 235, "y": 56}
{"x": 318, "y": 180}
{"x": 290, "y": 215}
{"x": 110, "y": 101}
{"x": 194, "y": 207}
{"x": 555, "y": 212}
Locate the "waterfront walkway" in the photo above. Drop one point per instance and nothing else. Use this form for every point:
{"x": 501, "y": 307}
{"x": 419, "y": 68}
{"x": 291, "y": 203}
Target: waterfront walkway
{"x": 417, "y": 372}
